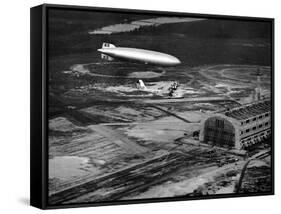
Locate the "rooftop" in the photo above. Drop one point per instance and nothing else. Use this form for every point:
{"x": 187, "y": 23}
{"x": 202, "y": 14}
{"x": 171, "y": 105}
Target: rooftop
{"x": 249, "y": 110}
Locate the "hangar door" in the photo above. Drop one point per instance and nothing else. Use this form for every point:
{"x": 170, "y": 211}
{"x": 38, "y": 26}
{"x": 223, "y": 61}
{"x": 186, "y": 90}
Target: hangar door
{"x": 220, "y": 132}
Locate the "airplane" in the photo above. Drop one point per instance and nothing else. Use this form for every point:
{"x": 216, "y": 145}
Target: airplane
{"x": 171, "y": 90}
{"x": 110, "y": 51}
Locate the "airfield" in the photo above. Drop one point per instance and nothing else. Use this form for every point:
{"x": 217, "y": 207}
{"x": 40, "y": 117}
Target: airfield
{"x": 109, "y": 140}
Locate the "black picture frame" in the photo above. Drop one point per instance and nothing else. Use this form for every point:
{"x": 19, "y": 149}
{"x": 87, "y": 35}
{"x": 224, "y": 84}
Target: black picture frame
{"x": 39, "y": 105}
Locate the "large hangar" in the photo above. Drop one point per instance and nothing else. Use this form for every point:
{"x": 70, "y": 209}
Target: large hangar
{"x": 239, "y": 127}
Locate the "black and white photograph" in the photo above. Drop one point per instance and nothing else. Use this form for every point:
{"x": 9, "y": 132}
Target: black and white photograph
{"x": 155, "y": 106}
{"x": 139, "y": 107}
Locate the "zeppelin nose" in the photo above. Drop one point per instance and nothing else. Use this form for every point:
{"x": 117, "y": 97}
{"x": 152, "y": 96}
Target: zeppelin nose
{"x": 176, "y": 61}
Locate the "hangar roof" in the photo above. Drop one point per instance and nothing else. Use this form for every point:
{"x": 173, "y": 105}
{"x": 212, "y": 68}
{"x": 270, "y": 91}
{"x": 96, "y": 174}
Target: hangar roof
{"x": 249, "y": 110}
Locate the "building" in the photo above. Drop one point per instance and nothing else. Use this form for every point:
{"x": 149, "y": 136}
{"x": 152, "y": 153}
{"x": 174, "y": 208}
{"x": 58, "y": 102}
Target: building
{"x": 239, "y": 127}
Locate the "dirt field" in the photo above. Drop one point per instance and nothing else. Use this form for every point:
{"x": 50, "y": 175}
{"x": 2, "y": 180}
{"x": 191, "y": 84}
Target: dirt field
{"x": 132, "y": 148}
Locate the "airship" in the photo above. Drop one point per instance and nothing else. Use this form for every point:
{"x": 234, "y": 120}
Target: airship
{"x": 110, "y": 52}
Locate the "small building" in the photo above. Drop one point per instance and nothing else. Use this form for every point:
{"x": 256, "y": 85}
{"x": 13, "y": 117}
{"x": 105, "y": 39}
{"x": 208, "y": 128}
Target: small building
{"x": 239, "y": 127}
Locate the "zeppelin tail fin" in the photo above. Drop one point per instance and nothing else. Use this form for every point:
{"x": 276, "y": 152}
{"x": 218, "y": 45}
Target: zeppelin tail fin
{"x": 108, "y": 45}
{"x": 106, "y": 57}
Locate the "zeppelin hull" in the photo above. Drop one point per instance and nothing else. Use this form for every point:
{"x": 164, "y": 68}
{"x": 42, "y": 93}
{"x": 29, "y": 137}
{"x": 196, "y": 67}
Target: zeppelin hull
{"x": 141, "y": 55}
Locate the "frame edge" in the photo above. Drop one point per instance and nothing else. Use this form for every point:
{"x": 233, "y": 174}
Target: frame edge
{"x": 36, "y": 74}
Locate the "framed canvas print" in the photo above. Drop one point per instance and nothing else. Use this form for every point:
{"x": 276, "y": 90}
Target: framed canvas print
{"x": 131, "y": 106}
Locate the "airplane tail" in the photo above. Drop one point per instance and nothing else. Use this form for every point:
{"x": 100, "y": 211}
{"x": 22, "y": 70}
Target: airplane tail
{"x": 108, "y": 45}
{"x": 142, "y": 85}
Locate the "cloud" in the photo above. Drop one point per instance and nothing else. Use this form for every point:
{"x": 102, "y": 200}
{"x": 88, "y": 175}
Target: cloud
{"x": 127, "y": 27}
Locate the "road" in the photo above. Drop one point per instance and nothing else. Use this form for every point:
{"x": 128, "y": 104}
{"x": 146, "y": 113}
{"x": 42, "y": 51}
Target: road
{"x": 119, "y": 139}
